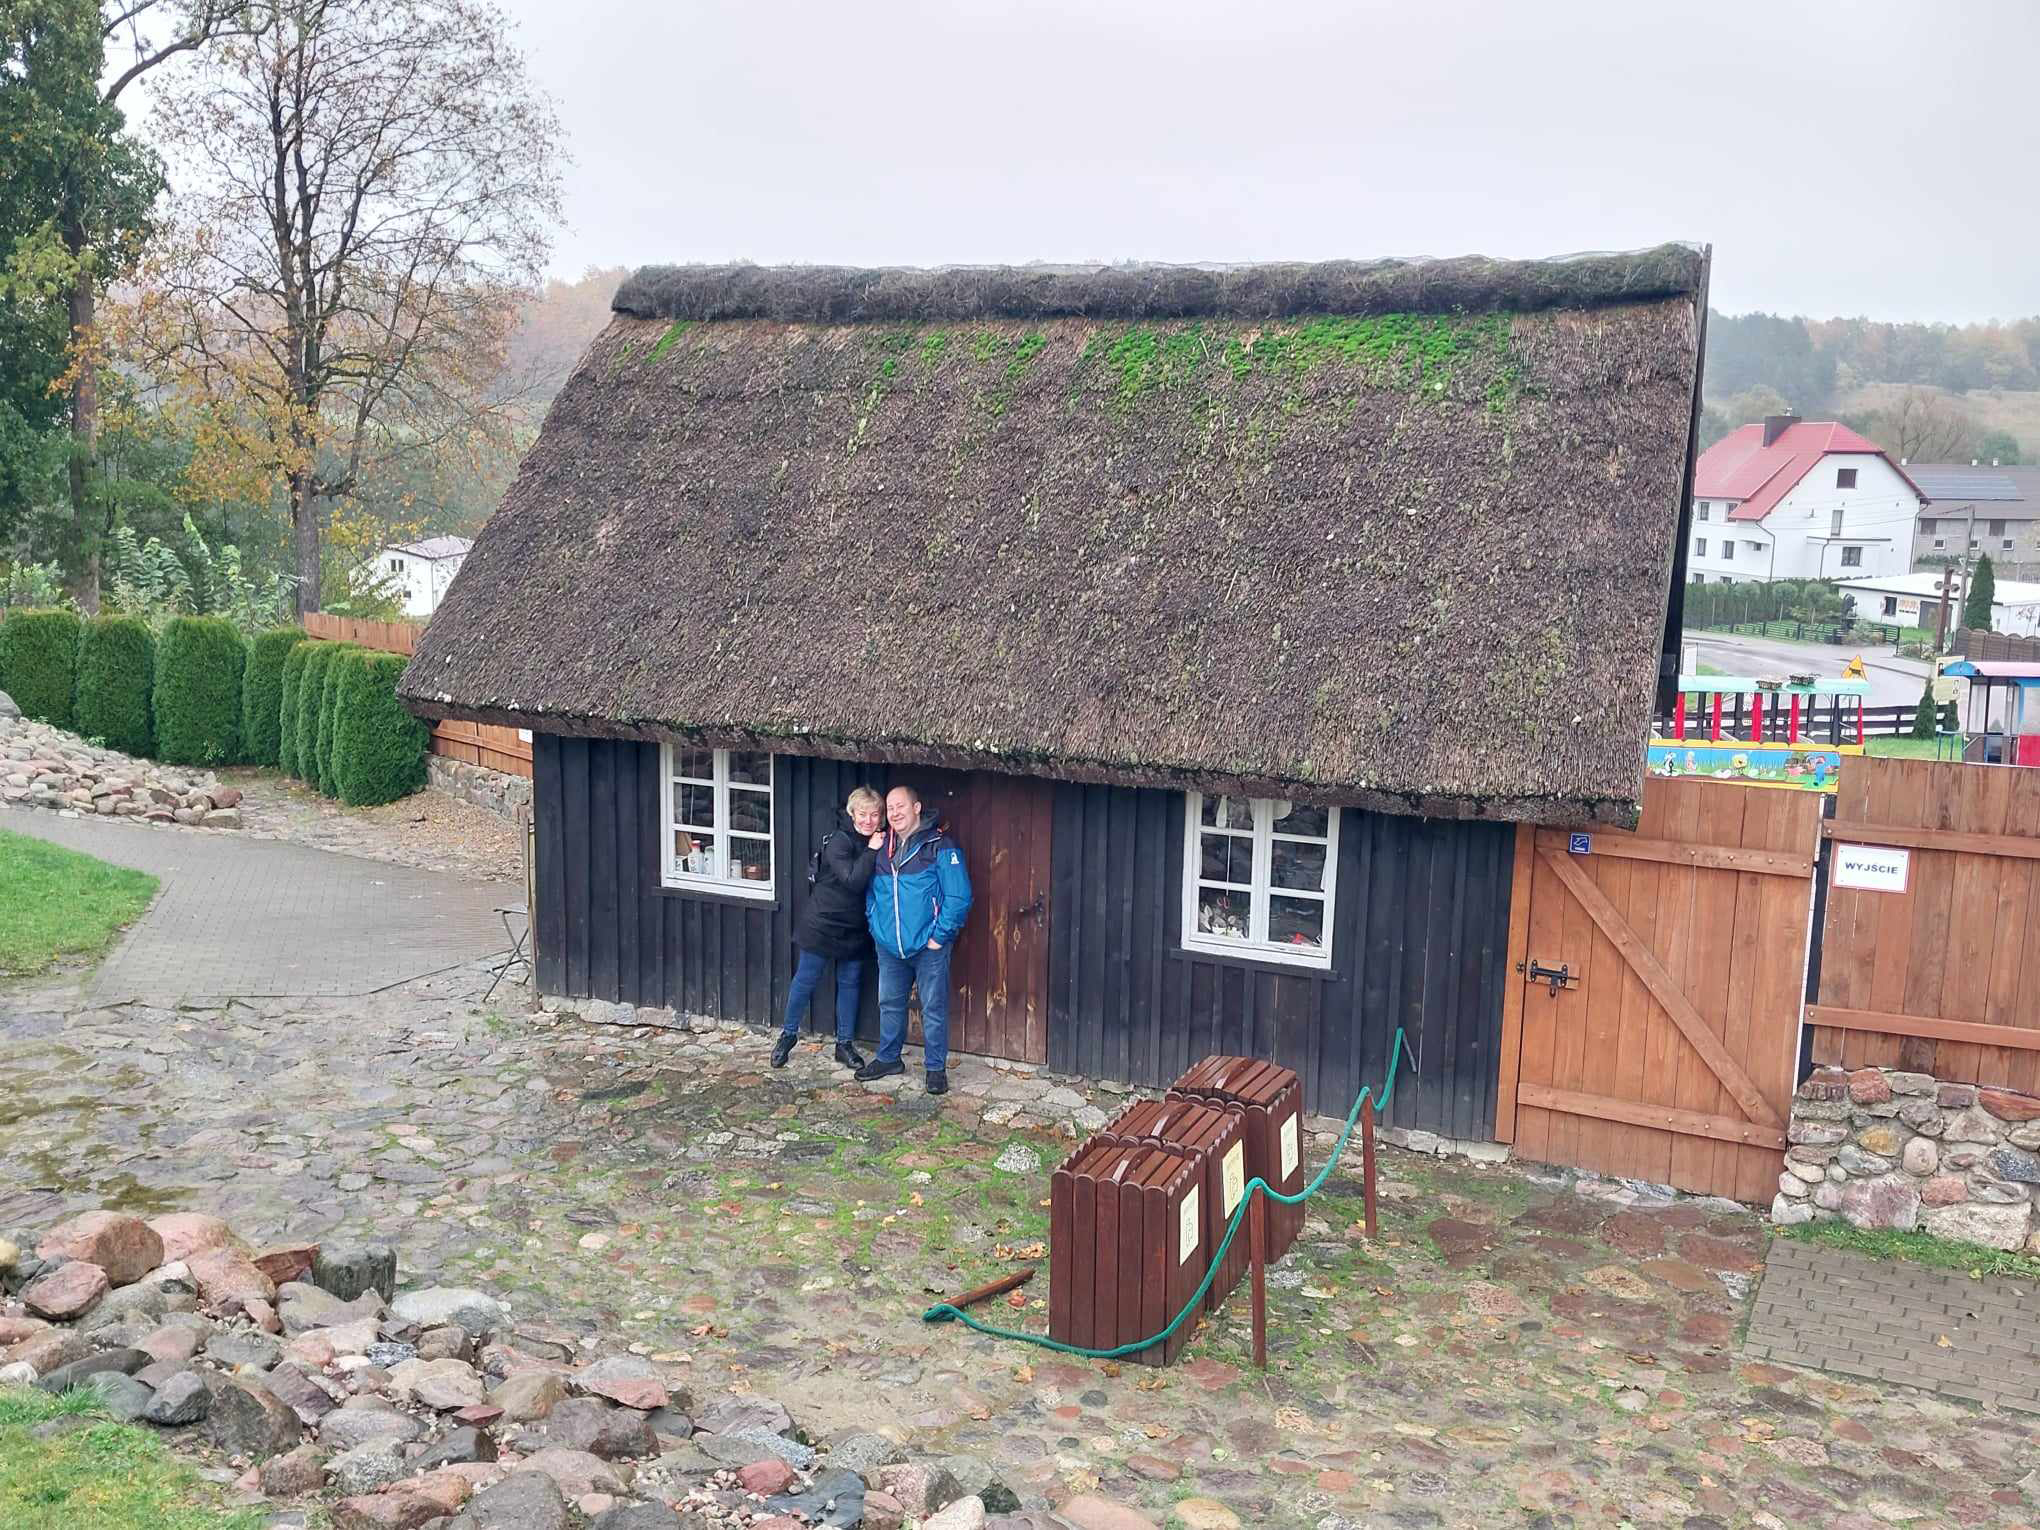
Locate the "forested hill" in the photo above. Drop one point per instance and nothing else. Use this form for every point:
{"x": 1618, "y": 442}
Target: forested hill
{"x": 1928, "y": 392}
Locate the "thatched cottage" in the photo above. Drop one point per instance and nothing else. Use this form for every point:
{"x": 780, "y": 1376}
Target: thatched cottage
{"x": 1229, "y": 615}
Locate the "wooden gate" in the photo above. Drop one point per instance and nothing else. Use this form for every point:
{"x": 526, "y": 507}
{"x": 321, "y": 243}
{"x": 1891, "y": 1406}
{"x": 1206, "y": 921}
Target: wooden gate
{"x": 1937, "y": 970}
{"x": 1650, "y": 1027}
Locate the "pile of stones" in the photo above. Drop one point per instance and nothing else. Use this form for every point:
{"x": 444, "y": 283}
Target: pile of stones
{"x": 299, "y": 1372}
{"x": 1881, "y": 1147}
{"x": 47, "y": 767}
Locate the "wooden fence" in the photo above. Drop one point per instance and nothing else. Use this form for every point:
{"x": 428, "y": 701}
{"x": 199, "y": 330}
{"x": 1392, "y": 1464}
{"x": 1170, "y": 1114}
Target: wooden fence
{"x": 1994, "y": 646}
{"x": 504, "y": 749}
{"x": 1941, "y": 973}
{"x": 1822, "y": 724}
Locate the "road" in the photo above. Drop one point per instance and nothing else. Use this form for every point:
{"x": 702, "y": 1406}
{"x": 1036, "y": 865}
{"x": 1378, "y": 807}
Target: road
{"x": 1893, "y": 682}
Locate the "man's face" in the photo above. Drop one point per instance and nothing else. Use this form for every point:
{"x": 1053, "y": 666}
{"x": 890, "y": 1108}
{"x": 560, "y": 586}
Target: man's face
{"x": 902, "y": 809}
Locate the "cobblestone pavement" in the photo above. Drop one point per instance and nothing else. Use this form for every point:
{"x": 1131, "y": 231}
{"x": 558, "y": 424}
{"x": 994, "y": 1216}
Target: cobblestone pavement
{"x": 1517, "y": 1349}
{"x": 1889, "y": 1321}
{"x": 236, "y": 916}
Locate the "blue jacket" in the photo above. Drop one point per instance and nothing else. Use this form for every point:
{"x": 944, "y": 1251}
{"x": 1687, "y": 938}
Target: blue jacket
{"x": 919, "y": 892}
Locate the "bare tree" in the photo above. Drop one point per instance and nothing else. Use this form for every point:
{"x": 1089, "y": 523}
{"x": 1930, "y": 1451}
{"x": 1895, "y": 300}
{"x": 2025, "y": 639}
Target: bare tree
{"x": 1921, "y": 426}
{"x": 376, "y": 184}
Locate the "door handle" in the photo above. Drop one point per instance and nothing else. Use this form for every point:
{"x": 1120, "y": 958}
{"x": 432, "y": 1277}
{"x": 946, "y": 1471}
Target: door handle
{"x": 1031, "y": 910}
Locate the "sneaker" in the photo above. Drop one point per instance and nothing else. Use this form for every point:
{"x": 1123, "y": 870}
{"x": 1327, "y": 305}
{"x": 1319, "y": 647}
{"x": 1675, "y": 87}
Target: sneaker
{"x": 878, "y": 1067}
{"x": 783, "y": 1048}
{"x": 847, "y": 1055}
{"x": 938, "y": 1082}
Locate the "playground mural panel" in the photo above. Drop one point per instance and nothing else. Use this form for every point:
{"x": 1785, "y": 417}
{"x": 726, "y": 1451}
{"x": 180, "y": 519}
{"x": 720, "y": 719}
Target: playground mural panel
{"x": 1705, "y": 747}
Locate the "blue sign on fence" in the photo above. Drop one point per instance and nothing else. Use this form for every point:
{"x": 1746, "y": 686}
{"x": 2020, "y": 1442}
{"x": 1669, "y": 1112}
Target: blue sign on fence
{"x": 1582, "y": 844}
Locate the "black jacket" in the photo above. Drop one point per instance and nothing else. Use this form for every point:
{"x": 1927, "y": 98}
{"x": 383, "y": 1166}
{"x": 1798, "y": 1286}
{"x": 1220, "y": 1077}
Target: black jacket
{"x": 832, "y": 923}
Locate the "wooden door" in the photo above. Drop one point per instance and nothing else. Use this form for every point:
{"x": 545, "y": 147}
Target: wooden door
{"x": 1652, "y": 1016}
{"x": 998, "y": 975}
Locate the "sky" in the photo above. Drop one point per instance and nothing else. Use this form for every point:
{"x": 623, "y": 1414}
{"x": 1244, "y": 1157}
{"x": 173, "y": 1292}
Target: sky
{"x": 1862, "y": 158}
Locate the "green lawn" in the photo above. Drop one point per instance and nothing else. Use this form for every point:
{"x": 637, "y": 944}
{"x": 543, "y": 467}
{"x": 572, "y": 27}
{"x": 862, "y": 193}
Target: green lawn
{"x": 1911, "y": 748}
{"x": 56, "y": 902}
{"x": 104, "y": 1476}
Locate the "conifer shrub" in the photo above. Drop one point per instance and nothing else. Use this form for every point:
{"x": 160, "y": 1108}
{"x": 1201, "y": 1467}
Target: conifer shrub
{"x": 116, "y": 676}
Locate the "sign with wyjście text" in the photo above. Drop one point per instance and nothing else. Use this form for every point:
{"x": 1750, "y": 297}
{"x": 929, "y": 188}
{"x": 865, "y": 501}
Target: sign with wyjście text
{"x": 1872, "y": 868}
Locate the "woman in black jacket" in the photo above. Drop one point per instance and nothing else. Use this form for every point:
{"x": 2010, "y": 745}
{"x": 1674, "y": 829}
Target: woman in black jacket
{"x": 832, "y": 927}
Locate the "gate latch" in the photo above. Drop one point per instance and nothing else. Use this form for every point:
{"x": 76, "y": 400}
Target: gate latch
{"x": 1558, "y": 977}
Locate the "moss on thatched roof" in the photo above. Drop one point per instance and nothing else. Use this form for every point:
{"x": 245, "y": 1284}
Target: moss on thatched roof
{"x": 1394, "y": 533}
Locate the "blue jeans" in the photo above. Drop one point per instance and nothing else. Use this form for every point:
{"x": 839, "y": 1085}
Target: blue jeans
{"x": 807, "y": 977}
{"x": 929, "y": 969}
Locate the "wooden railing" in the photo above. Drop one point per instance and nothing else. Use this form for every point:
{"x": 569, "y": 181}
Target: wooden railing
{"x": 504, "y": 749}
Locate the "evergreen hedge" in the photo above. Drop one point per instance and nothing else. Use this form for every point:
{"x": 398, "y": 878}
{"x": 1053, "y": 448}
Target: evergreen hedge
{"x": 287, "y": 710}
{"x": 116, "y": 674}
{"x": 378, "y": 746}
{"x": 311, "y": 688}
{"x": 262, "y": 693}
{"x": 200, "y": 661}
{"x": 39, "y": 664}
{"x": 322, "y": 738}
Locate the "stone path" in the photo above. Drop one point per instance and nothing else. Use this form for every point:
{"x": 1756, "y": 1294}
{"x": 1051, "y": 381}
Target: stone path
{"x": 1519, "y": 1349}
{"x": 247, "y": 917}
{"x": 1891, "y": 1321}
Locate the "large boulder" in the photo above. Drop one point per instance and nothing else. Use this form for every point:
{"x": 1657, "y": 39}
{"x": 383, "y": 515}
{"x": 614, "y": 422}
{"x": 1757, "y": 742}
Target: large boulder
{"x": 304, "y": 1307}
{"x": 522, "y": 1501}
{"x": 443, "y": 1385}
{"x": 349, "y": 1269}
{"x": 185, "y": 1233}
{"x": 181, "y": 1399}
{"x": 626, "y": 1379}
{"x": 1994, "y": 1226}
{"x": 227, "y": 1279}
{"x": 249, "y": 1421}
{"x": 528, "y": 1396}
{"x": 345, "y": 1428}
{"x": 593, "y": 1425}
{"x": 437, "y": 1306}
{"x": 66, "y": 1293}
{"x": 576, "y": 1471}
{"x": 123, "y": 1246}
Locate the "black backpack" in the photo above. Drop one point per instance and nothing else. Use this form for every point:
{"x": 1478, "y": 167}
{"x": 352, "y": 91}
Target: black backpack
{"x": 814, "y": 860}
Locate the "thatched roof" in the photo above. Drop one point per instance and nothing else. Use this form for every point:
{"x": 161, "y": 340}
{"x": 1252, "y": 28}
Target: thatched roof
{"x": 1393, "y": 533}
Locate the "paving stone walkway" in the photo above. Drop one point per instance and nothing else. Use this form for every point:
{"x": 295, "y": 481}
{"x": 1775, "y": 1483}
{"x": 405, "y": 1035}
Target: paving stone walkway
{"x": 1888, "y": 1320}
{"x": 1519, "y": 1349}
{"x": 247, "y": 917}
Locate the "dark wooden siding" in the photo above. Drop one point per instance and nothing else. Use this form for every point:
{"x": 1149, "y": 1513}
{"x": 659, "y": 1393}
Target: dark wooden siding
{"x": 1420, "y": 930}
{"x": 607, "y": 929}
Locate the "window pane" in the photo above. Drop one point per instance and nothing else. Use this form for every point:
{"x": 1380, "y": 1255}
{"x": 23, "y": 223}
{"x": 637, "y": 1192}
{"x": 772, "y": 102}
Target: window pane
{"x": 1228, "y": 813}
{"x": 697, "y": 763}
{"x": 1221, "y": 913}
{"x": 1227, "y": 858}
{"x": 1300, "y": 819}
{"x": 750, "y": 810}
{"x": 1296, "y": 922}
{"x": 693, "y": 805}
{"x": 754, "y": 768}
{"x": 1297, "y": 865}
{"x": 751, "y": 860}
{"x": 695, "y": 854}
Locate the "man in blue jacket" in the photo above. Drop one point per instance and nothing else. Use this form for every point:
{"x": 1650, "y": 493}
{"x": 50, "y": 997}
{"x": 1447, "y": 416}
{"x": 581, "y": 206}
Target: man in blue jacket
{"x": 916, "y": 904}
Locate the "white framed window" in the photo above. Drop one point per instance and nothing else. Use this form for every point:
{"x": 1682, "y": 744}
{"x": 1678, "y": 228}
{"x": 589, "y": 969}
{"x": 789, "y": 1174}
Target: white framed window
{"x": 1852, "y": 557}
{"x": 1703, "y": 510}
{"x": 1845, "y": 478}
{"x": 1700, "y": 546}
{"x": 1728, "y": 549}
{"x": 716, "y": 820}
{"x": 1258, "y": 878}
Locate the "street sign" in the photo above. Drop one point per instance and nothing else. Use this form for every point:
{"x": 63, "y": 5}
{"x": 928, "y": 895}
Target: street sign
{"x": 1872, "y": 868}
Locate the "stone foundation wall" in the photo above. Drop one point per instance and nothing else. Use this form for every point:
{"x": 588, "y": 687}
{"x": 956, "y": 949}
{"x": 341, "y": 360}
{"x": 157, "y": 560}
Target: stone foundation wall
{"x": 505, "y": 795}
{"x": 1884, "y": 1148}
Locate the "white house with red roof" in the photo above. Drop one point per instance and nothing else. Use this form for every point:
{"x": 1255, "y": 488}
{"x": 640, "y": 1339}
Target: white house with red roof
{"x": 1800, "y": 499}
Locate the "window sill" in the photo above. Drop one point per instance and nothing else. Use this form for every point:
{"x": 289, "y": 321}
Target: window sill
{"x": 1255, "y": 959}
{"x": 719, "y": 892}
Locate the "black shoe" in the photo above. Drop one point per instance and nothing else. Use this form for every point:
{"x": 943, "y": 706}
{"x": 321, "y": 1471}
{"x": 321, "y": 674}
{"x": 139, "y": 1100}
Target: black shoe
{"x": 878, "y": 1067}
{"x": 938, "y": 1082}
{"x": 847, "y": 1055}
{"x": 783, "y": 1048}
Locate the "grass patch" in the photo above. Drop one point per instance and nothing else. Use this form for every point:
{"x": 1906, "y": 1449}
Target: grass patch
{"x": 1909, "y": 749}
{"x": 104, "y": 1476}
{"x": 55, "y": 902}
{"x": 1918, "y": 1247}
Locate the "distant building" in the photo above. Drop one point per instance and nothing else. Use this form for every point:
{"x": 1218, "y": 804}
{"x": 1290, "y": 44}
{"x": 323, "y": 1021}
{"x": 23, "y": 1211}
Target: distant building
{"x": 1913, "y": 600}
{"x": 1977, "y": 509}
{"x": 426, "y": 569}
{"x": 1799, "y": 499}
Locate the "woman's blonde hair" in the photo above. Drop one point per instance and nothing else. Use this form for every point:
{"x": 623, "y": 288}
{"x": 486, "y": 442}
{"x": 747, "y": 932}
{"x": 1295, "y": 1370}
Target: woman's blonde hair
{"x": 864, "y": 796}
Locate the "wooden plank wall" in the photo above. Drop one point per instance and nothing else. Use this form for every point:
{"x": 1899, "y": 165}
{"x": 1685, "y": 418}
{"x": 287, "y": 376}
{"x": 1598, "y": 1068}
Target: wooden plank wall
{"x": 1731, "y": 941}
{"x": 1419, "y": 927}
{"x": 473, "y": 743}
{"x": 1958, "y": 952}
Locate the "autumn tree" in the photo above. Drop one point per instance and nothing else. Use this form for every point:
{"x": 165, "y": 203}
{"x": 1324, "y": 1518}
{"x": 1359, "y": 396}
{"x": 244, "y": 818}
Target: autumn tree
{"x": 372, "y": 187}
{"x": 1921, "y": 426}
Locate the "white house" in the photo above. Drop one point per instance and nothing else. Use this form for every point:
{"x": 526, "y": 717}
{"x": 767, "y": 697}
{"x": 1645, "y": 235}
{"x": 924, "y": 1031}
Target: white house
{"x": 1913, "y": 600}
{"x": 1799, "y": 499}
{"x": 424, "y": 568}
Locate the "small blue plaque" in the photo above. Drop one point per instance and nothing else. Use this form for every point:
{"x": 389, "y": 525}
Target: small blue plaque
{"x": 1582, "y": 844}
